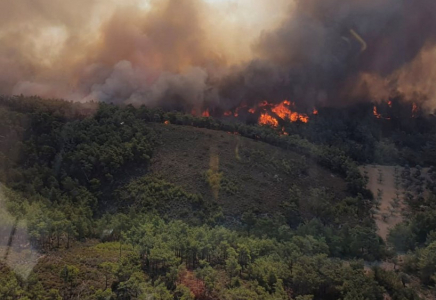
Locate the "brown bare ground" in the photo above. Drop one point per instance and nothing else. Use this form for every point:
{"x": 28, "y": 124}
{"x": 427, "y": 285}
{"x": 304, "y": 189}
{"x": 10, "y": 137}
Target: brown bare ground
{"x": 389, "y": 192}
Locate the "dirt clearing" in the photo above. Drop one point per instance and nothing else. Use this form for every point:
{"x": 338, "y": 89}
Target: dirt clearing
{"x": 385, "y": 183}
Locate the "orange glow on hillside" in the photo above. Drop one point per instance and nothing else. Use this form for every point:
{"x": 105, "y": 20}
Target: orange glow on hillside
{"x": 270, "y": 113}
{"x": 266, "y": 119}
{"x": 302, "y": 118}
{"x": 376, "y": 114}
{"x": 283, "y": 110}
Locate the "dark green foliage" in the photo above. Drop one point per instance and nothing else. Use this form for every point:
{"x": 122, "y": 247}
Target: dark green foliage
{"x": 68, "y": 163}
{"x": 423, "y": 263}
{"x": 78, "y": 171}
{"x": 395, "y": 284}
{"x": 402, "y": 237}
{"x": 300, "y": 264}
{"x": 150, "y": 194}
{"x": 62, "y": 154}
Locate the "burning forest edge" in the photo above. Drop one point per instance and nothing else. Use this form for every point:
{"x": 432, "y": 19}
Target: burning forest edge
{"x": 240, "y": 149}
{"x": 129, "y": 190}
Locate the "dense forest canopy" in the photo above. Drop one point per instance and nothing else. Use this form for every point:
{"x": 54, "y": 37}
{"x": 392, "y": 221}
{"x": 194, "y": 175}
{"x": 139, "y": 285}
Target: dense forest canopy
{"x": 94, "y": 185}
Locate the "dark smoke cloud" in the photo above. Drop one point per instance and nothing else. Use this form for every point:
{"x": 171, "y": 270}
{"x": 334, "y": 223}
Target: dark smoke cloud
{"x": 314, "y": 56}
{"x": 173, "y": 53}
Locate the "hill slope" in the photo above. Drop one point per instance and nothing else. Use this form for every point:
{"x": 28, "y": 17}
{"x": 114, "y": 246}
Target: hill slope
{"x": 255, "y": 175}
{"x": 164, "y": 192}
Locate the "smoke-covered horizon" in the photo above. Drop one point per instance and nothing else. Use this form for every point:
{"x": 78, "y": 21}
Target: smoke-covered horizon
{"x": 196, "y": 54}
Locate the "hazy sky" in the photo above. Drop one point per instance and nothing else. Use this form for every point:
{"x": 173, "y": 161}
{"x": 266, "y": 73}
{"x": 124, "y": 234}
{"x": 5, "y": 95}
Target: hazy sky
{"x": 216, "y": 51}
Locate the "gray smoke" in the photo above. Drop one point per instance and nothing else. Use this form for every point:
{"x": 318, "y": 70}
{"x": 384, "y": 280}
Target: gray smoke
{"x": 323, "y": 52}
{"x": 319, "y": 54}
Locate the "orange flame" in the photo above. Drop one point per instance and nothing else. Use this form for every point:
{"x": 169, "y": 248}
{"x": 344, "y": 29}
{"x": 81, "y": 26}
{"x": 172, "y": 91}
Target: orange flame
{"x": 167, "y": 122}
{"x": 283, "y": 111}
{"x": 266, "y": 119}
{"x": 376, "y": 114}
{"x": 301, "y": 117}
{"x": 315, "y": 111}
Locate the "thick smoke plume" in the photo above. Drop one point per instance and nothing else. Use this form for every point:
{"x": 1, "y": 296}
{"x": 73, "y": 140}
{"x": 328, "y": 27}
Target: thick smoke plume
{"x": 218, "y": 53}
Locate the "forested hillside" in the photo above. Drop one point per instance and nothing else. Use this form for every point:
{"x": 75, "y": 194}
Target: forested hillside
{"x": 109, "y": 202}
